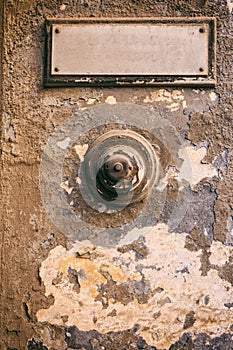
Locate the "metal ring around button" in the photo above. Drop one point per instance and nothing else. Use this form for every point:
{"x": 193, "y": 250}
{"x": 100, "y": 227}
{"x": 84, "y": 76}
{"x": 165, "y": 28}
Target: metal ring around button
{"x": 119, "y": 170}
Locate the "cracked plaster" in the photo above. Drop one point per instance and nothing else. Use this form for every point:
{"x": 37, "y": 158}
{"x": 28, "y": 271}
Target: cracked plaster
{"x": 174, "y": 282}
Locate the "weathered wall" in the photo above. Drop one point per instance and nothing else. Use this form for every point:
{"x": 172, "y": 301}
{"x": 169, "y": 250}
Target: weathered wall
{"x": 162, "y": 288}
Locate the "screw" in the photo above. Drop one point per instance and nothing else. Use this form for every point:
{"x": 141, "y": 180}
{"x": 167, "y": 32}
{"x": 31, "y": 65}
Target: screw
{"x": 57, "y": 30}
{"x": 201, "y": 69}
{"x": 202, "y": 30}
{"x": 56, "y": 69}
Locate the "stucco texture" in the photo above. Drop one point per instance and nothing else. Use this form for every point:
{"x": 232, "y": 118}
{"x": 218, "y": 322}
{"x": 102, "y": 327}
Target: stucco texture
{"x": 166, "y": 285}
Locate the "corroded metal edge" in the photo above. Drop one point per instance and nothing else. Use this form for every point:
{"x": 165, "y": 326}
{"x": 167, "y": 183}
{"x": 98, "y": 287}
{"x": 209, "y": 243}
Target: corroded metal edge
{"x": 129, "y": 80}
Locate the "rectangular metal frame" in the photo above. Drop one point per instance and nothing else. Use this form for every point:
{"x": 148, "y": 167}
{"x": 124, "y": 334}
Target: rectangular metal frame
{"x": 206, "y": 78}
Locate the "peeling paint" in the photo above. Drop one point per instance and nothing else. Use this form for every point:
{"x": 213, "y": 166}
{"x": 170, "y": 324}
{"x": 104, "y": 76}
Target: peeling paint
{"x": 176, "y": 287}
{"x": 63, "y": 7}
{"x": 174, "y": 98}
{"x": 174, "y": 281}
{"x": 193, "y": 157}
{"x": 91, "y": 101}
{"x": 111, "y": 100}
{"x": 213, "y": 96}
{"x": 66, "y": 187}
{"x": 192, "y": 170}
{"x": 220, "y": 254}
{"x": 174, "y": 106}
{"x": 81, "y": 151}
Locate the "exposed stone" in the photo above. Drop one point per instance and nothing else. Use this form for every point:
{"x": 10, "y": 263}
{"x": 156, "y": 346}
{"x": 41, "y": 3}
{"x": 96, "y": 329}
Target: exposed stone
{"x": 189, "y": 320}
{"x": 226, "y": 272}
{"x": 203, "y": 342}
{"x": 73, "y": 277}
{"x": 36, "y": 344}
{"x": 94, "y": 340}
{"x": 138, "y": 246}
{"x": 200, "y": 212}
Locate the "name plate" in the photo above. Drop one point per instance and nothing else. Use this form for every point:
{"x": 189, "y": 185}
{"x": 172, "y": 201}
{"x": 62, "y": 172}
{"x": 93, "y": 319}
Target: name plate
{"x": 142, "y": 51}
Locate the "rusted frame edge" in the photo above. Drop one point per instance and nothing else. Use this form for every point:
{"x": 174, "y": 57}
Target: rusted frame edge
{"x": 129, "y": 20}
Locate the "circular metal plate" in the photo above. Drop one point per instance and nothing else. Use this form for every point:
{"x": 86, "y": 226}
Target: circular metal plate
{"x": 99, "y": 227}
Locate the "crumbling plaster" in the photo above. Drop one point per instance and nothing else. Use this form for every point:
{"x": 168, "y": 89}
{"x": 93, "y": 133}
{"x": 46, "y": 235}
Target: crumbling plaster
{"x": 184, "y": 276}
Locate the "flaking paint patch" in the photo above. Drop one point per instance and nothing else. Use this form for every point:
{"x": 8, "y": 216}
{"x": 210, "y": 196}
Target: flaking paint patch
{"x": 220, "y": 254}
{"x": 213, "y": 96}
{"x": 81, "y": 151}
{"x": 192, "y": 169}
{"x": 174, "y": 106}
{"x": 174, "y": 99}
{"x": 111, "y": 100}
{"x": 63, "y": 7}
{"x": 133, "y": 235}
{"x": 175, "y": 287}
{"x": 172, "y": 173}
{"x": 66, "y": 187}
{"x": 91, "y": 101}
